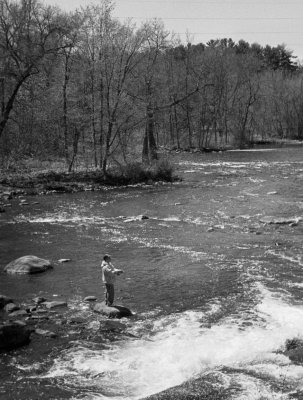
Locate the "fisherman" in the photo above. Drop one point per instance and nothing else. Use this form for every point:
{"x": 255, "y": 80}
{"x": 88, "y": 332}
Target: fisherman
{"x": 109, "y": 274}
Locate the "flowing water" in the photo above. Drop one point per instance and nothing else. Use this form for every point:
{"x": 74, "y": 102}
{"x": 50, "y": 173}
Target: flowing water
{"x": 215, "y": 291}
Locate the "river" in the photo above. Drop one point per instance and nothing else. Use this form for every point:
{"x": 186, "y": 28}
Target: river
{"x": 215, "y": 289}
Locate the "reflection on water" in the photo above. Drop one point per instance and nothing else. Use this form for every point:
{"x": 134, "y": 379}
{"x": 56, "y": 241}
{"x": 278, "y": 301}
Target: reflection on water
{"x": 215, "y": 290}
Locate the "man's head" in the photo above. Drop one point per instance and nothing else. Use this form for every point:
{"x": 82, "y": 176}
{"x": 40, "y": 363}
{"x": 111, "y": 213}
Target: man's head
{"x": 107, "y": 258}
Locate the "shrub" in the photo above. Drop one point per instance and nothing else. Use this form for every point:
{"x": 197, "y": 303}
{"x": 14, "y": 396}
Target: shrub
{"x": 163, "y": 170}
{"x": 135, "y": 172}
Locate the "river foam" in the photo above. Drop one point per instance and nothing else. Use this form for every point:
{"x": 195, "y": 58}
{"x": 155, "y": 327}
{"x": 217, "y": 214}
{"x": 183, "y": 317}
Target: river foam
{"x": 177, "y": 347}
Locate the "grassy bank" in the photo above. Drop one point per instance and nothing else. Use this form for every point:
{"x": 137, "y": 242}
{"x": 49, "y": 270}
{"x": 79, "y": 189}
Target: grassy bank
{"x": 35, "y": 180}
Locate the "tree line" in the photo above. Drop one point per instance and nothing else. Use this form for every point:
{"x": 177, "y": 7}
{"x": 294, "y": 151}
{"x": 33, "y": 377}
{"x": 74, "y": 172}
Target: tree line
{"x": 95, "y": 91}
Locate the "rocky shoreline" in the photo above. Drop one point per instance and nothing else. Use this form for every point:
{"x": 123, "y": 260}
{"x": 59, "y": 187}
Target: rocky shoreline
{"x": 44, "y": 317}
{"x": 53, "y": 319}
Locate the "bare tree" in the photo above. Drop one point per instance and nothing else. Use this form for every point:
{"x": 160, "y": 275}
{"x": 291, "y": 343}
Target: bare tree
{"x": 29, "y": 34}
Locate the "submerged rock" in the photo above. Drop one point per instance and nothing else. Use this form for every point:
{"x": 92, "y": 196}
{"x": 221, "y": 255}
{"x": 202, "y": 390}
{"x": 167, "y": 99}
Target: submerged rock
{"x": 115, "y": 326}
{"x": 112, "y": 312}
{"x": 13, "y": 335}
{"x": 77, "y": 320}
{"x": 28, "y": 265}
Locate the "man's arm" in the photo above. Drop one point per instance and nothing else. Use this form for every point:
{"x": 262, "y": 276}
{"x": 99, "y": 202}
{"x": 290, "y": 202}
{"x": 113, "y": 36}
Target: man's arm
{"x": 117, "y": 271}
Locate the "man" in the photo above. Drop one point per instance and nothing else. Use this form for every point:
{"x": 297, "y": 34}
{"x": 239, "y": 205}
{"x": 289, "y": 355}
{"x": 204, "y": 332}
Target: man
{"x": 109, "y": 273}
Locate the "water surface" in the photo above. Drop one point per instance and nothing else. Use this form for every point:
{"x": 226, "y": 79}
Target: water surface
{"x": 215, "y": 290}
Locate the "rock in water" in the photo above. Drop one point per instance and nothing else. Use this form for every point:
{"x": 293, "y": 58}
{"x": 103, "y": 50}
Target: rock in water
{"x": 112, "y": 312}
{"x": 4, "y": 300}
{"x": 11, "y": 307}
{"x": 55, "y": 304}
{"x": 13, "y": 335}
{"x": 90, "y": 298}
{"x": 45, "y": 333}
{"x": 28, "y": 265}
{"x": 136, "y": 218}
{"x": 280, "y": 221}
{"x": 18, "y": 313}
{"x": 39, "y": 300}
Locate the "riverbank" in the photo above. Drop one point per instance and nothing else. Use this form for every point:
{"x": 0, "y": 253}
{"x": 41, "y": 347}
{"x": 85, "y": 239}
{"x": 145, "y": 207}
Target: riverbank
{"x": 33, "y": 177}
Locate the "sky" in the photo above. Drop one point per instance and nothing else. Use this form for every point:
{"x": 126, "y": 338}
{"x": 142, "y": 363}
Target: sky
{"x": 270, "y": 22}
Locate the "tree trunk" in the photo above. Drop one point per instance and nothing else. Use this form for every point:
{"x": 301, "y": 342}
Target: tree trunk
{"x": 101, "y": 140}
{"x": 75, "y": 148}
{"x": 149, "y": 152}
{"x": 94, "y": 125}
{"x": 9, "y": 105}
{"x": 65, "y": 128}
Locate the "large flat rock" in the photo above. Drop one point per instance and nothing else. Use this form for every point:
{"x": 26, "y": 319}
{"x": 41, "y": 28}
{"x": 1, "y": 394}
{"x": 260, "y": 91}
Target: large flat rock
{"x": 28, "y": 265}
{"x": 112, "y": 312}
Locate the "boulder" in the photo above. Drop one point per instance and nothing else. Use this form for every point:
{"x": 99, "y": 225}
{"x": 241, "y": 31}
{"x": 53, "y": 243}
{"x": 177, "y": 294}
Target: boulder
{"x": 64, "y": 260}
{"x": 113, "y": 311}
{"x": 13, "y": 335}
{"x": 28, "y": 265}
{"x": 4, "y": 300}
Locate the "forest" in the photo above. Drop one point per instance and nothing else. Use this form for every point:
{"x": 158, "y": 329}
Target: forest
{"x": 91, "y": 91}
